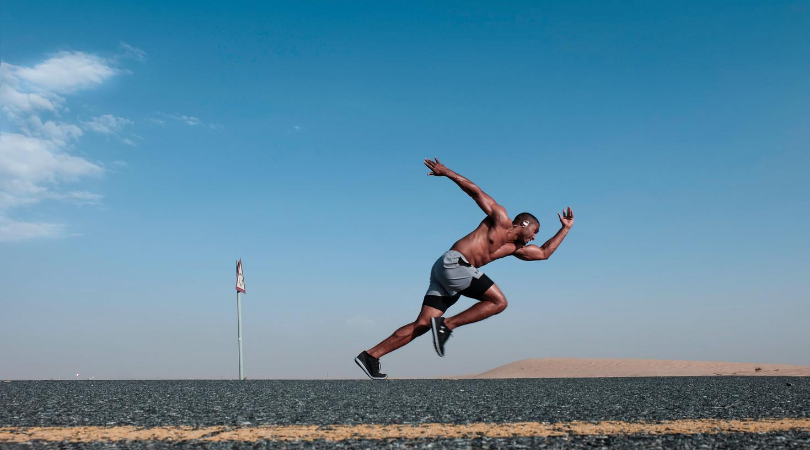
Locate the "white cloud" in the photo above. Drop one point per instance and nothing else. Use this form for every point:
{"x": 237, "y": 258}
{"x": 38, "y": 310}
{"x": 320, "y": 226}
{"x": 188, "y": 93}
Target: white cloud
{"x": 67, "y": 72}
{"x": 30, "y": 165}
{"x": 16, "y": 99}
{"x": 9, "y": 200}
{"x": 110, "y": 125}
{"x": 106, "y": 124}
{"x": 13, "y": 231}
{"x": 35, "y": 152}
{"x": 31, "y": 90}
{"x": 79, "y": 197}
{"x": 33, "y": 160}
{"x": 59, "y": 133}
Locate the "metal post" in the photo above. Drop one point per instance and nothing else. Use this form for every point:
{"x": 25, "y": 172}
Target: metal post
{"x": 239, "y": 328}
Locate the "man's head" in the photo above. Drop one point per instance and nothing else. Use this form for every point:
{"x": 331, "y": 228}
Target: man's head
{"x": 526, "y": 226}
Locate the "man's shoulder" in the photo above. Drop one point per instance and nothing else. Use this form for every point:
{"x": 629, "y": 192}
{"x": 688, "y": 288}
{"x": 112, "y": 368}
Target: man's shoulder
{"x": 499, "y": 216}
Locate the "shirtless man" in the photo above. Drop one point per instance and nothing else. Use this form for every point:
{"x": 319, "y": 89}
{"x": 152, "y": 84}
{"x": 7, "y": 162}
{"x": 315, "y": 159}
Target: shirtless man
{"x": 456, "y": 272}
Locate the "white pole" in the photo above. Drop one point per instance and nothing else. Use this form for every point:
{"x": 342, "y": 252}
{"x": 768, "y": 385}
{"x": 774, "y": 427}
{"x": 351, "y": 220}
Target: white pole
{"x": 239, "y": 328}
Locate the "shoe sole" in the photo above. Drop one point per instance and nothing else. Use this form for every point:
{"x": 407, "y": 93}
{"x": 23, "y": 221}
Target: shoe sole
{"x": 362, "y": 366}
{"x": 435, "y": 336}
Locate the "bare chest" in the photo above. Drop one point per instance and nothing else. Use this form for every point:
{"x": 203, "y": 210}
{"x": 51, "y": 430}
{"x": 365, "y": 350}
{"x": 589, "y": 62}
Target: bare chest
{"x": 497, "y": 244}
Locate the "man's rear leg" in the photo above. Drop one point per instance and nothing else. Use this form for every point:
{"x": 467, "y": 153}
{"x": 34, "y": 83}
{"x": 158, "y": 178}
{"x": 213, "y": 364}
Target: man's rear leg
{"x": 406, "y": 333}
{"x": 491, "y": 302}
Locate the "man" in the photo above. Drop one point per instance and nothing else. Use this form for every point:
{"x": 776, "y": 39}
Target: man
{"x": 456, "y": 272}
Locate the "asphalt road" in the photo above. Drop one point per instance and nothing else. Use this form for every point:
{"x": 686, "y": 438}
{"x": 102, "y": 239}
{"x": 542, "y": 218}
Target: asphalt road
{"x": 285, "y": 402}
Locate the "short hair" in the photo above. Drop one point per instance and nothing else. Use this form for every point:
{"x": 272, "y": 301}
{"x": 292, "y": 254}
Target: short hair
{"x": 525, "y": 216}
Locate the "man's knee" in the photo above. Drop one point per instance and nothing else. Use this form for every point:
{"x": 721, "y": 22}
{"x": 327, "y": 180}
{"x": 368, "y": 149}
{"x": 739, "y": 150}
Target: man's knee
{"x": 500, "y": 305}
{"x": 422, "y": 323}
{"x": 496, "y": 297}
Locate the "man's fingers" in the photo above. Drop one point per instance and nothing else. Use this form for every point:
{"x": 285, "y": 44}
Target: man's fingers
{"x": 437, "y": 159}
{"x": 558, "y": 215}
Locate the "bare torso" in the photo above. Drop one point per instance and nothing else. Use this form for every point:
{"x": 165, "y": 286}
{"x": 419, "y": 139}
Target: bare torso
{"x": 488, "y": 242}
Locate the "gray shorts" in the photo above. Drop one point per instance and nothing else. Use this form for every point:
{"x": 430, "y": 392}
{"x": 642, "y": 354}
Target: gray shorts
{"x": 452, "y": 276}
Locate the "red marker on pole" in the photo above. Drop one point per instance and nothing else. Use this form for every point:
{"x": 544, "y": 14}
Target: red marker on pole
{"x": 240, "y": 289}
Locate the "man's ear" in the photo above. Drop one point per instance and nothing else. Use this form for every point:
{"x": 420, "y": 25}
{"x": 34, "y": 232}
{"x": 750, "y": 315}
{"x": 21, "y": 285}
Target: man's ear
{"x": 524, "y": 224}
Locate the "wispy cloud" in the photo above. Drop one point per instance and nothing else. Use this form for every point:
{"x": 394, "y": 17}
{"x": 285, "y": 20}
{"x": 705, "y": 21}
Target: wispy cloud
{"x": 133, "y": 52}
{"x": 188, "y": 120}
{"x": 14, "y": 231}
{"x": 106, "y": 124}
{"x": 36, "y": 152}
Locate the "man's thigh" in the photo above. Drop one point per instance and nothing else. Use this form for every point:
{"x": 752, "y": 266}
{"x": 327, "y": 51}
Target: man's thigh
{"x": 493, "y": 294}
{"x": 438, "y": 303}
{"x": 427, "y": 312}
{"x": 480, "y": 288}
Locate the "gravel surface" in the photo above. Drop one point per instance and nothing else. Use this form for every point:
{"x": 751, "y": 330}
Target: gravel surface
{"x": 790, "y": 440}
{"x": 280, "y": 402}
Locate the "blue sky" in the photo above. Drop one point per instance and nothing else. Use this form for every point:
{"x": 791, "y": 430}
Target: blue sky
{"x": 148, "y": 145}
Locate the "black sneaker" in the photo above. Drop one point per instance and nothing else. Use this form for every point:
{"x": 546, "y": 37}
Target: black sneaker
{"x": 440, "y": 334}
{"x": 370, "y": 365}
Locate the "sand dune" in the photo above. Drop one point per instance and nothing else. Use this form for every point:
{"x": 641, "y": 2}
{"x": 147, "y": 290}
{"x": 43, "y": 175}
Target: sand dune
{"x": 586, "y": 368}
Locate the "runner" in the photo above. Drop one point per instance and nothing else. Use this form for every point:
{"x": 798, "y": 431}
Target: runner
{"x": 456, "y": 272}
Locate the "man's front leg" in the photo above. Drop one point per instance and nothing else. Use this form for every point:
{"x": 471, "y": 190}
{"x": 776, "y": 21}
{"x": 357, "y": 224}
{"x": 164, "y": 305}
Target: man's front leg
{"x": 492, "y": 302}
{"x": 406, "y": 333}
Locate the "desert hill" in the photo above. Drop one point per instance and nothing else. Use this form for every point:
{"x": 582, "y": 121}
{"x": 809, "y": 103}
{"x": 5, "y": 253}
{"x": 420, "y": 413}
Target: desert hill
{"x": 587, "y": 368}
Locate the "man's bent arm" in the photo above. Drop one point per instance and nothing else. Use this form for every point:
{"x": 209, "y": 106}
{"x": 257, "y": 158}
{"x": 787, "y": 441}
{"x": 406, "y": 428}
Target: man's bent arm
{"x": 555, "y": 241}
{"x": 535, "y": 253}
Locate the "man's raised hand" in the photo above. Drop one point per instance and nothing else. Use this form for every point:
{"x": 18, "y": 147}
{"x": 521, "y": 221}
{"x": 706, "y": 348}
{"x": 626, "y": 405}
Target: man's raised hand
{"x": 567, "y": 217}
{"x": 437, "y": 169}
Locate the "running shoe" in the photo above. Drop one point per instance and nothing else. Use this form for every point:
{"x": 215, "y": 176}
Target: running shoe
{"x": 440, "y": 334}
{"x": 370, "y": 365}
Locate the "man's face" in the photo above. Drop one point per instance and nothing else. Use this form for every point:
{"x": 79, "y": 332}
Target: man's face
{"x": 529, "y": 232}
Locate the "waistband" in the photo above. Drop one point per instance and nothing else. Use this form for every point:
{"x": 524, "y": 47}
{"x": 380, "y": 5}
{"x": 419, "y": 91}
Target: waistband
{"x": 461, "y": 258}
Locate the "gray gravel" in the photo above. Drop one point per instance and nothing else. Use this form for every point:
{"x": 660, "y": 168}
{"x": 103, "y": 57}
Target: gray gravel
{"x": 276, "y": 402}
{"x": 737, "y": 440}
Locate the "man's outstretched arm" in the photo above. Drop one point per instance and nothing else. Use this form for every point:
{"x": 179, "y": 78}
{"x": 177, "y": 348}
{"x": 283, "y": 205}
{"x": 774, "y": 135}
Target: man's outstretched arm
{"x": 487, "y": 203}
{"x": 534, "y": 253}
